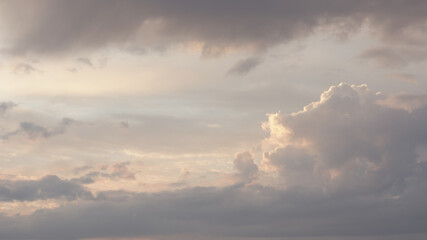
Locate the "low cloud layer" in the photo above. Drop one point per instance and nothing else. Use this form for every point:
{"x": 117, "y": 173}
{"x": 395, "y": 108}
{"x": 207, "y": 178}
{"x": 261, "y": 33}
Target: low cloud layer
{"x": 235, "y": 211}
{"x": 49, "y": 187}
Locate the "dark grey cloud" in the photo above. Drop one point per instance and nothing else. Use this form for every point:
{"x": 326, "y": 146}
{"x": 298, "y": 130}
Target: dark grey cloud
{"x": 34, "y": 131}
{"x": 49, "y": 187}
{"x": 47, "y": 26}
{"x": 235, "y": 211}
{"x": 244, "y": 66}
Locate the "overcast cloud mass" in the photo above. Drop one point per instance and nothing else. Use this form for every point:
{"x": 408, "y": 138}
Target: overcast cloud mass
{"x": 228, "y": 120}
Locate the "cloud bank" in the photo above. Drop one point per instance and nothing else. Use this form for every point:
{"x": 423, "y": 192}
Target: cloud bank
{"x": 49, "y": 187}
{"x": 348, "y": 166}
{"x": 54, "y": 27}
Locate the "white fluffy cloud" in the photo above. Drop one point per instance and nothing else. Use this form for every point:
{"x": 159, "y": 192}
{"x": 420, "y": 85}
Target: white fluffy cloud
{"x": 347, "y": 141}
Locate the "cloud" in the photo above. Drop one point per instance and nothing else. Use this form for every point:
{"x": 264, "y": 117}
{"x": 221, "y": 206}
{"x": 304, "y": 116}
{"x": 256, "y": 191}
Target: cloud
{"x": 85, "y": 61}
{"x": 244, "y": 66}
{"x": 34, "y": 131}
{"x": 383, "y": 57}
{"x": 124, "y": 124}
{"x": 116, "y": 171}
{"x": 347, "y": 142}
{"x": 121, "y": 170}
{"x": 49, "y": 187}
{"x": 183, "y": 180}
{"x": 136, "y": 50}
{"x": 234, "y": 211}
{"x": 245, "y": 166}
{"x": 23, "y": 68}
{"x": 394, "y": 57}
{"x": 348, "y": 168}
{"x": 54, "y": 27}
{"x": 405, "y": 77}
{"x": 406, "y": 101}
{"x": 5, "y": 106}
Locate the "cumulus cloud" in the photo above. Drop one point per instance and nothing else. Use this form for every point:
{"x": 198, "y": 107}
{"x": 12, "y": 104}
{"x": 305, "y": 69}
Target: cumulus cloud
{"x": 49, "y": 187}
{"x": 245, "y": 166}
{"x": 53, "y": 27}
{"x": 349, "y": 142}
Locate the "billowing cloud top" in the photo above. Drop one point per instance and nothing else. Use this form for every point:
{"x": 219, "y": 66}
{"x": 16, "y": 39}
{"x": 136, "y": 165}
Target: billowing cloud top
{"x": 348, "y": 142}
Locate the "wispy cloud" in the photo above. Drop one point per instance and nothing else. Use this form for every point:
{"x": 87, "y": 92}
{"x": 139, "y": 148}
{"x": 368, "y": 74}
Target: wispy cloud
{"x": 25, "y": 68}
{"x": 5, "y": 106}
{"x": 34, "y": 131}
{"x": 49, "y": 187}
{"x": 85, "y": 61}
{"x": 244, "y": 66}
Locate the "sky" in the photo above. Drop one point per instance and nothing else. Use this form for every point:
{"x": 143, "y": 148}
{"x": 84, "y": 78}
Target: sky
{"x": 213, "y": 120}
